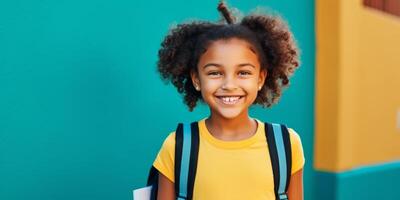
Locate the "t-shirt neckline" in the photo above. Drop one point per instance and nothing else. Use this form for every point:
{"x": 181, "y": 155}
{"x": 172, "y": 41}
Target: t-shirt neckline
{"x": 204, "y": 132}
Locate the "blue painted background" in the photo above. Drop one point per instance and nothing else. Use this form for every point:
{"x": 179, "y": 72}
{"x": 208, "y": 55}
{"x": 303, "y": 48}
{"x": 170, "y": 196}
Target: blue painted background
{"x": 82, "y": 110}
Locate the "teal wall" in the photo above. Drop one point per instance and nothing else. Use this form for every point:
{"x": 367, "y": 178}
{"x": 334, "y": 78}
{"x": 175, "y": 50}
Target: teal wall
{"x": 379, "y": 181}
{"x": 82, "y": 110}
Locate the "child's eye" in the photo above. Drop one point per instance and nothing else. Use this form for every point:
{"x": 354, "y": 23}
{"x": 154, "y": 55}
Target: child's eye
{"x": 215, "y": 73}
{"x": 244, "y": 73}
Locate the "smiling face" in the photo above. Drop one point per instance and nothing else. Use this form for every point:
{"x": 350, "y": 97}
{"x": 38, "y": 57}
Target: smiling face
{"x": 229, "y": 77}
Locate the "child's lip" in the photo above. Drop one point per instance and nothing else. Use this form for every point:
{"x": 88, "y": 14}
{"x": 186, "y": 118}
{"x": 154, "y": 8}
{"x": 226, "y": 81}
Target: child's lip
{"x": 226, "y": 95}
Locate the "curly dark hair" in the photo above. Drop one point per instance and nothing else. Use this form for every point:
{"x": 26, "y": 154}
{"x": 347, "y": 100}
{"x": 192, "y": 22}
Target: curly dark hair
{"x": 269, "y": 35}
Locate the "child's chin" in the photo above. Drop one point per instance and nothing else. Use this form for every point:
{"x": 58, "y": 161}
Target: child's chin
{"x": 229, "y": 113}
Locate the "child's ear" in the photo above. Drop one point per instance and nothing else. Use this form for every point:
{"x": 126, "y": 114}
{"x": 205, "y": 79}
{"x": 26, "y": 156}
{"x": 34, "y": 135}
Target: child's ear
{"x": 261, "y": 78}
{"x": 195, "y": 79}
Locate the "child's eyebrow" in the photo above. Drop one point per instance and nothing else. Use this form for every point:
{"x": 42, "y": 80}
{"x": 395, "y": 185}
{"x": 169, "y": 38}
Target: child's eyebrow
{"x": 219, "y": 65}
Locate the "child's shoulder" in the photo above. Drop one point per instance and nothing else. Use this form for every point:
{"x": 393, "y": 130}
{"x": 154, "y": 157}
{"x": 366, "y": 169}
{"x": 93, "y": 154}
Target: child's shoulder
{"x": 169, "y": 141}
{"x": 298, "y": 158}
{"x": 293, "y": 134}
{"x": 294, "y": 137}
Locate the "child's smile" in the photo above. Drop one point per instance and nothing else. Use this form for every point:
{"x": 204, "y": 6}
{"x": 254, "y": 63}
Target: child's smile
{"x": 229, "y": 77}
{"x": 230, "y": 100}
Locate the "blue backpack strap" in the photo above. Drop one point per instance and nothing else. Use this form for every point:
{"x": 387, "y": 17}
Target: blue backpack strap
{"x": 186, "y": 154}
{"x": 278, "y": 140}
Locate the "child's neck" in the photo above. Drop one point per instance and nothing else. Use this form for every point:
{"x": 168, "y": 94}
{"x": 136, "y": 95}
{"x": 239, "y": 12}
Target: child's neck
{"x": 239, "y": 128}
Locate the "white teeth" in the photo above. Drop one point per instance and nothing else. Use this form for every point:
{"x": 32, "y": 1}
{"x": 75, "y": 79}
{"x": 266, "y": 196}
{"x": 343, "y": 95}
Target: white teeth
{"x": 230, "y": 100}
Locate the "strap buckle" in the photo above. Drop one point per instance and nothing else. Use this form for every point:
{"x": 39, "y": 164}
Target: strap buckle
{"x": 283, "y": 196}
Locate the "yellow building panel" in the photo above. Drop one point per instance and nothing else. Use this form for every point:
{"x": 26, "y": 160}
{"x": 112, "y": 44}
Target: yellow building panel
{"x": 357, "y": 87}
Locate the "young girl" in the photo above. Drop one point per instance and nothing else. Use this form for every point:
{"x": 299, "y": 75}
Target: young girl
{"x": 230, "y": 67}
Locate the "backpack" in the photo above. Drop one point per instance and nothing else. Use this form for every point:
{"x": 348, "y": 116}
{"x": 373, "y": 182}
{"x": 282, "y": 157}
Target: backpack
{"x": 186, "y": 154}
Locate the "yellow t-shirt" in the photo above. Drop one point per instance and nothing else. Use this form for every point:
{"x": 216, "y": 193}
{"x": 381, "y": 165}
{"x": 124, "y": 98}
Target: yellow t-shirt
{"x": 230, "y": 169}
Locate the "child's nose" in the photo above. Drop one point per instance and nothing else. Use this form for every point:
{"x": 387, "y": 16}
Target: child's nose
{"x": 229, "y": 83}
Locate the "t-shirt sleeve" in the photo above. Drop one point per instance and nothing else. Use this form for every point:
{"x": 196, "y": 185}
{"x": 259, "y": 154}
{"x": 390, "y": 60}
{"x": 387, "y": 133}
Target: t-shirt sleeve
{"x": 164, "y": 161}
{"x": 298, "y": 159}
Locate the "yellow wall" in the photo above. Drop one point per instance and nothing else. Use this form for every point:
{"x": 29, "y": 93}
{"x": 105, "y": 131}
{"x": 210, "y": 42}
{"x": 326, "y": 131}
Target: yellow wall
{"x": 357, "y": 86}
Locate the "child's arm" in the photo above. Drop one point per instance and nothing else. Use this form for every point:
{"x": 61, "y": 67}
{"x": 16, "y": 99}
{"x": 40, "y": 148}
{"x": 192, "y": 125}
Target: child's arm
{"x": 295, "y": 190}
{"x": 166, "y": 188}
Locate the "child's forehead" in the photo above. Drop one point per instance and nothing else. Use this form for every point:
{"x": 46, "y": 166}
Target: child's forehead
{"x": 230, "y": 47}
{"x": 229, "y": 52}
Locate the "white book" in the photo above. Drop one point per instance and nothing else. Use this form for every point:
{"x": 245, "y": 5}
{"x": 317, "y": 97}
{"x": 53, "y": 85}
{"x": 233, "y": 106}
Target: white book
{"x": 142, "y": 193}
